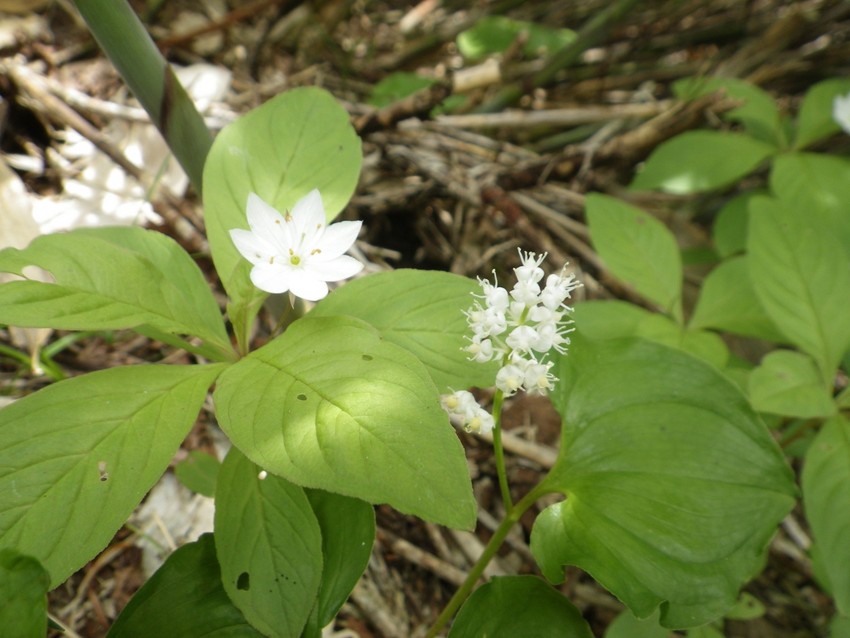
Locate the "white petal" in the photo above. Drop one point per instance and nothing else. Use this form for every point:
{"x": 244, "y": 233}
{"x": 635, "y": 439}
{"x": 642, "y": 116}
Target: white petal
{"x": 307, "y": 285}
{"x": 337, "y": 239}
{"x": 266, "y": 222}
{"x": 251, "y": 247}
{"x": 273, "y": 278}
{"x": 335, "y": 270}
{"x": 308, "y": 213}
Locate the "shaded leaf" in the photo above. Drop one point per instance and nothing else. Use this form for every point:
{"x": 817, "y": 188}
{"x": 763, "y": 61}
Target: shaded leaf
{"x": 269, "y": 546}
{"x": 826, "y": 497}
{"x": 23, "y": 595}
{"x": 673, "y": 485}
{"x": 814, "y": 121}
{"x": 184, "y": 599}
{"x": 348, "y": 532}
{"x": 198, "y": 472}
{"x": 518, "y": 606}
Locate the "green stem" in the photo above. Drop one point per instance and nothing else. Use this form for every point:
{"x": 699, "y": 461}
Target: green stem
{"x": 499, "y": 449}
{"x": 512, "y": 517}
{"x": 124, "y": 39}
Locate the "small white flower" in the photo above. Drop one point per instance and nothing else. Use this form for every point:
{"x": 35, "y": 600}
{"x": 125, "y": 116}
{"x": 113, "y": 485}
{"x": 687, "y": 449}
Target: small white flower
{"x": 509, "y": 379}
{"x": 462, "y": 406}
{"x": 299, "y": 252}
{"x": 841, "y": 111}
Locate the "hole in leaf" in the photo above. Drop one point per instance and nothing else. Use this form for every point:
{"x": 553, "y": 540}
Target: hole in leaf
{"x": 243, "y": 583}
{"x": 301, "y": 397}
{"x": 366, "y": 357}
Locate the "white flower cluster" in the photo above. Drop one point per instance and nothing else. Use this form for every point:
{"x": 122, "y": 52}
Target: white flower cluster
{"x": 520, "y": 327}
{"x": 465, "y": 409}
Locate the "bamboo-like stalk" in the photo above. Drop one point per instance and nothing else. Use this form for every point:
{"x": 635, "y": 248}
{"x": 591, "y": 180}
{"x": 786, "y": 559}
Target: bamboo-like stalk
{"x": 125, "y": 41}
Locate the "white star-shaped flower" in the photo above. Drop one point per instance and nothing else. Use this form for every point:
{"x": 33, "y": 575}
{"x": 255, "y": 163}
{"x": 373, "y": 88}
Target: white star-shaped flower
{"x": 841, "y": 111}
{"x": 297, "y": 252}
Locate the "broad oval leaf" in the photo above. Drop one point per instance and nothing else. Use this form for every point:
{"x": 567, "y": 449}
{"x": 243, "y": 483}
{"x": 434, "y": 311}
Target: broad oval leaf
{"x": 673, "y": 484}
{"x": 330, "y": 404}
{"x": 108, "y": 278}
{"x": 295, "y": 142}
{"x": 727, "y": 301}
{"x": 348, "y": 532}
{"x": 23, "y": 594}
{"x": 269, "y": 546}
{"x": 184, "y": 599}
{"x": 699, "y": 161}
{"x": 789, "y": 383}
{"x": 815, "y": 120}
{"x": 758, "y": 113}
{"x": 77, "y": 457}
{"x": 826, "y": 497}
{"x": 638, "y": 249}
{"x": 519, "y": 606}
{"x": 421, "y": 311}
{"x": 801, "y": 277}
{"x": 816, "y": 186}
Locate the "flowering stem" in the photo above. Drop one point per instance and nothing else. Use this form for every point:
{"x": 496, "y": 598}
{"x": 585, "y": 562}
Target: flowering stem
{"x": 511, "y": 518}
{"x": 504, "y": 488}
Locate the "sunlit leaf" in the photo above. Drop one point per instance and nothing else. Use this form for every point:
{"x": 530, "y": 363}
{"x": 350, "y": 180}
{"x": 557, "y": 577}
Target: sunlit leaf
{"x": 332, "y": 405}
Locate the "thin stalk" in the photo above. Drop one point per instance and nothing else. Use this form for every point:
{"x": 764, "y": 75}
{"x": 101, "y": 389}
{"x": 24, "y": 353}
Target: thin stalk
{"x": 125, "y": 41}
{"x": 499, "y": 449}
{"x": 511, "y": 518}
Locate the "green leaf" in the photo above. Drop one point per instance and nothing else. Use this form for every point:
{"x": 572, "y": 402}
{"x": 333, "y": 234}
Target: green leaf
{"x": 330, "y": 404}
{"x": 826, "y": 497}
{"x": 727, "y": 301}
{"x": 397, "y": 86}
{"x": 748, "y": 607}
{"x": 421, "y": 311}
{"x": 674, "y": 486}
{"x": 819, "y": 186}
{"x": 77, "y": 457}
{"x": 704, "y": 345}
{"x": 348, "y": 532}
{"x": 626, "y": 625}
{"x": 700, "y": 161}
{"x": 789, "y": 383}
{"x": 839, "y": 627}
{"x": 110, "y": 278}
{"x": 815, "y": 119}
{"x": 198, "y": 472}
{"x": 295, "y": 142}
{"x": 495, "y": 34}
{"x": 801, "y": 276}
{"x": 518, "y": 606}
{"x": 23, "y": 595}
{"x": 608, "y": 319}
{"x": 184, "y": 599}
{"x": 269, "y": 546}
{"x": 729, "y": 231}
{"x": 638, "y": 249}
{"x": 758, "y": 113}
